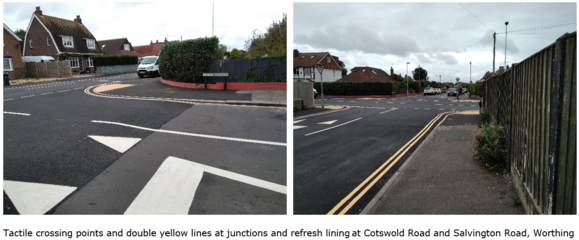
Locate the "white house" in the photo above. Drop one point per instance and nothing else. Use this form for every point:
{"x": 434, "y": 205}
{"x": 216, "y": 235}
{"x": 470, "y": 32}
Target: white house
{"x": 305, "y": 67}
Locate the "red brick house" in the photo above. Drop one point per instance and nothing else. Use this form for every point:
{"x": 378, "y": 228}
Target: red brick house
{"x": 50, "y": 36}
{"x": 11, "y": 52}
{"x": 305, "y": 67}
{"x": 368, "y": 74}
{"x": 120, "y": 46}
{"x": 153, "y": 49}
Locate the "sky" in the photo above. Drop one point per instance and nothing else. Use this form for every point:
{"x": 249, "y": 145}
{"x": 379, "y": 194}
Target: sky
{"x": 443, "y": 38}
{"x": 142, "y": 23}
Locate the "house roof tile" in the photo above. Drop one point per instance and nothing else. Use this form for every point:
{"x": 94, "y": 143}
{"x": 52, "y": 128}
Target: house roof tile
{"x": 114, "y": 46}
{"x": 366, "y": 74}
{"x": 149, "y": 50}
{"x": 311, "y": 59}
{"x": 59, "y": 27}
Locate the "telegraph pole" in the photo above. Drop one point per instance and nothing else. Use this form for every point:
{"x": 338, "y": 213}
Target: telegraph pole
{"x": 471, "y": 72}
{"x": 506, "y": 23}
{"x": 494, "y": 48}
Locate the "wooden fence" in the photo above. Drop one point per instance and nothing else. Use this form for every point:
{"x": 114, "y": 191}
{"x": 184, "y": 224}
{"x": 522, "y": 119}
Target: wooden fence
{"x": 53, "y": 69}
{"x": 536, "y": 102}
{"x": 269, "y": 69}
{"x": 304, "y": 92}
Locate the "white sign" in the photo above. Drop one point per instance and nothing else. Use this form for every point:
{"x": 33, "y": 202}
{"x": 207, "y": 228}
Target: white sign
{"x": 215, "y": 74}
{"x": 320, "y": 68}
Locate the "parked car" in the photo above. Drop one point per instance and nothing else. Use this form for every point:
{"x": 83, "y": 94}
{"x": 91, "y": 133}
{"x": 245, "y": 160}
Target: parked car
{"x": 464, "y": 90}
{"x": 149, "y": 66}
{"x": 443, "y": 90}
{"x": 438, "y": 91}
{"x": 37, "y": 59}
{"x": 315, "y": 93}
{"x": 429, "y": 91}
{"x": 451, "y": 92}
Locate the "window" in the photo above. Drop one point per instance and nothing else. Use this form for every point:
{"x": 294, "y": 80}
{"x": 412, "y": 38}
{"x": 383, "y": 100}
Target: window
{"x": 363, "y": 70}
{"x": 307, "y": 71}
{"x": 374, "y": 72}
{"x": 67, "y": 41}
{"x": 89, "y": 62}
{"x": 8, "y": 64}
{"x": 90, "y": 43}
{"x": 103, "y": 46}
{"x": 328, "y": 59}
{"x": 73, "y": 62}
{"x": 296, "y": 71}
{"x": 30, "y": 42}
{"x": 312, "y": 56}
{"x": 127, "y": 47}
{"x": 303, "y": 57}
{"x": 47, "y": 41}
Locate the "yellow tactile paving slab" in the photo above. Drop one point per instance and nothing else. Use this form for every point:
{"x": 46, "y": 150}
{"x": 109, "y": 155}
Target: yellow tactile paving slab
{"x": 111, "y": 87}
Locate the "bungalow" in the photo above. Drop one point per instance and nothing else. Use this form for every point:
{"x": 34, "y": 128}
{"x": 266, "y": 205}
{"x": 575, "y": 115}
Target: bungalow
{"x": 368, "y": 74}
{"x": 305, "y": 67}
{"x": 153, "y": 49}
{"x": 120, "y": 46}
{"x": 50, "y": 36}
{"x": 12, "y": 58}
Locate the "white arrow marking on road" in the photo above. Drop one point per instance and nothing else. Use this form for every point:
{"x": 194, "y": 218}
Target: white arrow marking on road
{"x": 35, "y": 198}
{"x": 120, "y": 144}
{"x": 328, "y": 122}
{"x": 333, "y": 127}
{"x": 297, "y": 121}
{"x": 15, "y": 113}
{"x": 298, "y": 127}
{"x": 172, "y": 189}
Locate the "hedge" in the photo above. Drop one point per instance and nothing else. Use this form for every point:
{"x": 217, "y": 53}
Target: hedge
{"x": 110, "y": 60}
{"x": 64, "y": 56}
{"x": 355, "y": 88}
{"x": 187, "y": 61}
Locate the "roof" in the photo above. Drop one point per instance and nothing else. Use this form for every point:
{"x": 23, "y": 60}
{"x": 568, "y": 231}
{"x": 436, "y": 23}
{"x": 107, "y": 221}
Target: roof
{"x": 366, "y": 74}
{"x": 11, "y": 32}
{"x": 312, "y": 59}
{"x": 149, "y": 50}
{"x": 113, "y": 46}
{"x": 59, "y": 27}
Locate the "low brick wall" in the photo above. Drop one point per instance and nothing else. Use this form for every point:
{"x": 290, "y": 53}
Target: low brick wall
{"x": 230, "y": 86}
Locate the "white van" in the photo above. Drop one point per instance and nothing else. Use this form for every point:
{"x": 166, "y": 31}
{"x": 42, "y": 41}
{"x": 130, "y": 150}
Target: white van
{"x": 37, "y": 59}
{"x": 149, "y": 66}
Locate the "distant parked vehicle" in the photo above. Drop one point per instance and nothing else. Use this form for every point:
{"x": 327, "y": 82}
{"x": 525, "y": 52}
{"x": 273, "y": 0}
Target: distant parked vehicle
{"x": 37, "y": 59}
{"x": 438, "y": 91}
{"x": 464, "y": 90}
{"x": 429, "y": 91}
{"x": 451, "y": 92}
{"x": 443, "y": 90}
{"x": 149, "y": 66}
{"x": 315, "y": 93}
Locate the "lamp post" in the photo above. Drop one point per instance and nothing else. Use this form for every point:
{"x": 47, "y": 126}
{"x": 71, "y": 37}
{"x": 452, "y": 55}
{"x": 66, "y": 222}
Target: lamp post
{"x": 506, "y": 24}
{"x": 407, "y": 78}
{"x": 419, "y": 75}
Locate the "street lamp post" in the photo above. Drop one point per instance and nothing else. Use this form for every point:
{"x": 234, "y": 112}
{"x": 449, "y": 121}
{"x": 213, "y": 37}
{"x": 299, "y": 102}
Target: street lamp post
{"x": 407, "y": 78}
{"x": 419, "y": 75}
{"x": 506, "y": 24}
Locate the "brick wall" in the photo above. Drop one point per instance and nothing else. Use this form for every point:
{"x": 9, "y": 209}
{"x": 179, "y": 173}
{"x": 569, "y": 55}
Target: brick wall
{"x": 38, "y": 35}
{"x": 11, "y": 49}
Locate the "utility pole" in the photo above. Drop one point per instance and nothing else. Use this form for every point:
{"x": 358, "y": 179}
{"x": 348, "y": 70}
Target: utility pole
{"x": 471, "y": 72}
{"x": 407, "y": 78}
{"x": 212, "y": 17}
{"x": 506, "y": 23}
{"x": 494, "y": 48}
{"x": 419, "y": 75}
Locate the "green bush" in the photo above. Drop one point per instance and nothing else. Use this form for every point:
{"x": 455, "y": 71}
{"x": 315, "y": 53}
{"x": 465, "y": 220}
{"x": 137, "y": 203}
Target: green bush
{"x": 355, "y": 88}
{"x": 484, "y": 116}
{"x": 490, "y": 146}
{"x": 110, "y": 60}
{"x": 235, "y": 54}
{"x": 186, "y": 61}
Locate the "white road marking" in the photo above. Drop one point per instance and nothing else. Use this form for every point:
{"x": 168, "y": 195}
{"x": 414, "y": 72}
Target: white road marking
{"x": 441, "y": 109}
{"x": 298, "y": 127}
{"x": 15, "y": 113}
{"x": 435, "y": 100}
{"x": 120, "y": 144}
{"x": 438, "y": 104}
{"x": 416, "y": 108}
{"x": 193, "y": 134}
{"x": 35, "y": 198}
{"x": 402, "y": 103}
{"x": 461, "y": 105}
{"x": 473, "y": 105}
{"x": 328, "y": 122}
{"x": 388, "y": 110}
{"x": 333, "y": 127}
{"x": 8, "y": 99}
{"x": 390, "y": 102}
{"x": 299, "y": 121}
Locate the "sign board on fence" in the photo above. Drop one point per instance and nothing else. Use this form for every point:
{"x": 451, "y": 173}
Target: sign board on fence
{"x": 320, "y": 68}
{"x": 215, "y": 74}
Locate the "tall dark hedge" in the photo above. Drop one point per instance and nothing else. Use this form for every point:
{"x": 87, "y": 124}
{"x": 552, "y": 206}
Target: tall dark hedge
{"x": 187, "y": 61}
{"x": 110, "y": 60}
{"x": 355, "y": 88}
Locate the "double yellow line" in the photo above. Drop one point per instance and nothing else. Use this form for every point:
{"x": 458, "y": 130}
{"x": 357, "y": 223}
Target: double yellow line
{"x": 376, "y": 175}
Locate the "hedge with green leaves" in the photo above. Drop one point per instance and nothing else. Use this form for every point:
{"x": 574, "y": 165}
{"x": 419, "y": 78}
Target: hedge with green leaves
{"x": 187, "y": 61}
{"x": 355, "y": 88}
{"x": 110, "y": 60}
{"x": 65, "y": 55}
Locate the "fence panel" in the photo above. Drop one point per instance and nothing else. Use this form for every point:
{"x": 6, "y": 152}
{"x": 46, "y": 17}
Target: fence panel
{"x": 536, "y": 103}
{"x": 304, "y": 90}
{"x": 269, "y": 69}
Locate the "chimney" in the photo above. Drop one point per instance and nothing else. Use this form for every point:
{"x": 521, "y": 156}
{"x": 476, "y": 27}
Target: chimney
{"x": 391, "y": 71}
{"x": 296, "y": 53}
{"x": 151, "y": 42}
{"x": 38, "y": 11}
{"x": 157, "y": 41}
{"x": 77, "y": 19}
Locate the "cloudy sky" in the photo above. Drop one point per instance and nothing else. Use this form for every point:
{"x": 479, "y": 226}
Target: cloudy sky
{"x": 143, "y": 22}
{"x": 442, "y": 37}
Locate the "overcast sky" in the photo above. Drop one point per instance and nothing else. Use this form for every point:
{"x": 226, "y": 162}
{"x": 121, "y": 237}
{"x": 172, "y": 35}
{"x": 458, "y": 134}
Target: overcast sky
{"x": 143, "y": 22}
{"x": 442, "y": 37}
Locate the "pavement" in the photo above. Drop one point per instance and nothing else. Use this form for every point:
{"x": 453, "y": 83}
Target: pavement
{"x": 441, "y": 177}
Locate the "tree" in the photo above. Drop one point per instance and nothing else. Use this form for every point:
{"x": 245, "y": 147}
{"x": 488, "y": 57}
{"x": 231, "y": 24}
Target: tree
{"x": 272, "y": 43}
{"x": 235, "y": 54}
{"x": 420, "y": 73}
{"x": 343, "y": 66}
{"x": 21, "y": 33}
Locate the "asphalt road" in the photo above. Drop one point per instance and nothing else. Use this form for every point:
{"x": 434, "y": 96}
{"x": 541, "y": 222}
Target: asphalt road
{"x": 334, "y": 153}
{"x": 57, "y": 146}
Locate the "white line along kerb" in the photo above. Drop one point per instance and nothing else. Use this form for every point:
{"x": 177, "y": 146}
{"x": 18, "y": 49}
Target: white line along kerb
{"x": 15, "y": 113}
{"x": 194, "y": 134}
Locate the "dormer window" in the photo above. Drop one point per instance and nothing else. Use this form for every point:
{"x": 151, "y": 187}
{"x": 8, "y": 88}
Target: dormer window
{"x": 363, "y": 70}
{"x": 374, "y": 72}
{"x": 127, "y": 47}
{"x": 312, "y": 56}
{"x": 103, "y": 46}
{"x": 328, "y": 59}
{"x": 67, "y": 41}
{"x": 90, "y": 44}
{"x": 303, "y": 57}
